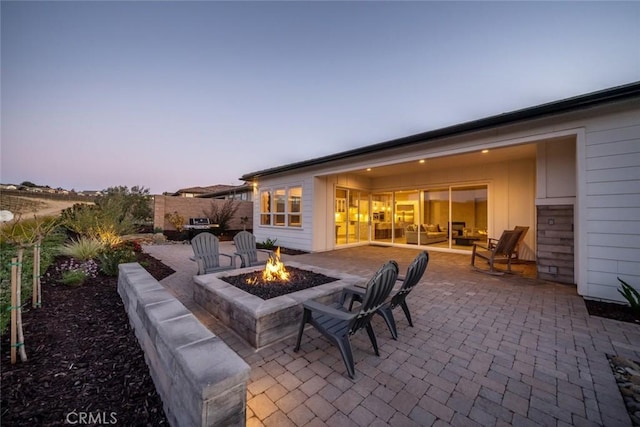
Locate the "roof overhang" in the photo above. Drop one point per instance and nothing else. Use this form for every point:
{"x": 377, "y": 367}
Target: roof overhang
{"x": 615, "y": 94}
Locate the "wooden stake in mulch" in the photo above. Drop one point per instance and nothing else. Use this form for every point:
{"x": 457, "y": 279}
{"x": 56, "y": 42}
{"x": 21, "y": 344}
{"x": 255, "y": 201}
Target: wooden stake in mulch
{"x": 36, "y": 294}
{"x": 16, "y": 309}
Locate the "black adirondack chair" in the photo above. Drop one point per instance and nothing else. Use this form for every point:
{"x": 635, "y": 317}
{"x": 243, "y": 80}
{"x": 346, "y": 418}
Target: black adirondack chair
{"x": 337, "y": 323}
{"x": 399, "y": 298}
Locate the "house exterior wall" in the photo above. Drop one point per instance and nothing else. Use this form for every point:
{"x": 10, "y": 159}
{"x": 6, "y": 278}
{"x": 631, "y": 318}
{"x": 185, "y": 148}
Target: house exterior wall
{"x": 610, "y": 211}
{"x": 587, "y": 158}
{"x": 290, "y": 237}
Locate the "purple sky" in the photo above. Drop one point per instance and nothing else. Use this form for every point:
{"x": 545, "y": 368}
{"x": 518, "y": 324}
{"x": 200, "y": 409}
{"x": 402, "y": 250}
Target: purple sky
{"x": 169, "y": 95}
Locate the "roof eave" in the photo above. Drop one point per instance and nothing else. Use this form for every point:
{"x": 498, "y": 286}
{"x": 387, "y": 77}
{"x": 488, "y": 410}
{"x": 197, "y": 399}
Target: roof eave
{"x": 614, "y": 94}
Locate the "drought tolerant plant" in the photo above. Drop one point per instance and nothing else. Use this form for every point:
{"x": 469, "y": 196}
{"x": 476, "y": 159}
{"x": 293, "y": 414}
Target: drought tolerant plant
{"x": 630, "y": 294}
{"x": 176, "y": 220}
{"x": 74, "y": 273}
{"x": 134, "y": 203}
{"x": 267, "y": 244}
{"x": 222, "y": 215}
{"x": 82, "y": 248}
{"x": 112, "y": 257}
{"x": 95, "y": 221}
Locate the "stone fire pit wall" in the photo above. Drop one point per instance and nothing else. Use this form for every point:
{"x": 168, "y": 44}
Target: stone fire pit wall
{"x": 263, "y": 322}
{"x": 201, "y": 381}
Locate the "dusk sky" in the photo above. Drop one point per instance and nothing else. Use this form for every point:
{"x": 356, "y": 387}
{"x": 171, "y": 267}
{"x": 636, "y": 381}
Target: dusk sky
{"x": 169, "y": 95}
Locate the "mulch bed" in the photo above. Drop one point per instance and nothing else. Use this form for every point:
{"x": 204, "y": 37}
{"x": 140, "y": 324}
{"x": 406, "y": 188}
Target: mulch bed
{"x": 83, "y": 360}
{"x": 623, "y": 313}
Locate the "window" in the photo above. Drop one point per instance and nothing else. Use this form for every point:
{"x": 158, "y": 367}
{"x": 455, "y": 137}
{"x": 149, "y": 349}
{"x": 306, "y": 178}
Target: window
{"x": 279, "y": 197}
{"x": 281, "y": 207}
{"x": 265, "y": 208}
{"x": 295, "y": 207}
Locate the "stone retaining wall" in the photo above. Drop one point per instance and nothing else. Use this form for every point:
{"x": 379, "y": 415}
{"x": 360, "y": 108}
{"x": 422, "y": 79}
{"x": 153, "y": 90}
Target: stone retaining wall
{"x": 201, "y": 381}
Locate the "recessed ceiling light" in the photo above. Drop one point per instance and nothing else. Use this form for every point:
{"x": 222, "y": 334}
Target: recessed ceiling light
{"x": 485, "y": 151}
{"x": 368, "y": 169}
{"x": 421, "y": 161}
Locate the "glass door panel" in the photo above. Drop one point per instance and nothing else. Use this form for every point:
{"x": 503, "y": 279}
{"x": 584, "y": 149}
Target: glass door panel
{"x": 352, "y": 216}
{"x": 341, "y": 219}
{"x": 382, "y": 217}
{"x": 406, "y": 215}
{"x": 468, "y": 215}
{"x": 433, "y": 227}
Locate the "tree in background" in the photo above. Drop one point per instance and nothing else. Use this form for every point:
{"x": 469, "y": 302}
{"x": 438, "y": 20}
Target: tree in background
{"x": 134, "y": 203}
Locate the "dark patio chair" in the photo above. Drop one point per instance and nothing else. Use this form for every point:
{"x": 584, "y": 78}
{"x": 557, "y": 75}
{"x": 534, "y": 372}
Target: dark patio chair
{"x": 206, "y": 253}
{"x": 337, "y": 323}
{"x": 398, "y": 297}
{"x": 247, "y": 250}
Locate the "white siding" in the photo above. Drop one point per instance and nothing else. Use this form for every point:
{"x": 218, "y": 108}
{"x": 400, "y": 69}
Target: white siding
{"x": 289, "y": 237}
{"x": 612, "y": 217}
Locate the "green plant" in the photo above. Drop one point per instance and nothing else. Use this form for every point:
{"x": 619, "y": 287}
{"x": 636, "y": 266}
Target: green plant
{"x": 106, "y": 220}
{"x": 73, "y": 278}
{"x": 134, "y": 203}
{"x": 157, "y": 230}
{"x": 112, "y": 257}
{"x": 176, "y": 220}
{"x": 24, "y": 234}
{"x": 630, "y": 294}
{"x": 222, "y": 215}
{"x": 74, "y": 273}
{"x": 268, "y": 244}
{"x": 83, "y": 248}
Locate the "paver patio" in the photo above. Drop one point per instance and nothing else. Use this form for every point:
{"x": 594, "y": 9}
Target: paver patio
{"x": 484, "y": 351}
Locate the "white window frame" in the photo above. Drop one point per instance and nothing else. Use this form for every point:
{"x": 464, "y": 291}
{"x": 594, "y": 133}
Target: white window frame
{"x": 281, "y": 218}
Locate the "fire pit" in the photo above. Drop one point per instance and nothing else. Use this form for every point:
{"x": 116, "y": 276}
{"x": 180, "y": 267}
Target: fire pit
{"x": 276, "y": 280}
{"x": 261, "y": 322}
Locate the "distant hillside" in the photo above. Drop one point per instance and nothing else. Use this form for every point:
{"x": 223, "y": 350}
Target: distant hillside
{"x": 29, "y": 206}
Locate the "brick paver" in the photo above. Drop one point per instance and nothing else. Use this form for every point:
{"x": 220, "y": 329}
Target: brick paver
{"x": 484, "y": 350}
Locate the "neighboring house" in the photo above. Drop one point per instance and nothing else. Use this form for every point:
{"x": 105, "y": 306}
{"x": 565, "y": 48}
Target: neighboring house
{"x": 90, "y": 193}
{"x": 199, "y": 191}
{"x": 239, "y": 192}
{"x": 569, "y": 170}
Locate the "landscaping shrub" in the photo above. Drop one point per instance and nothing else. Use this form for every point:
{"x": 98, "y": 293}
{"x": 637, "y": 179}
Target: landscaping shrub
{"x": 82, "y": 248}
{"x": 111, "y": 257}
{"x": 222, "y": 215}
{"x": 100, "y": 222}
{"x": 74, "y": 273}
{"x": 630, "y": 294}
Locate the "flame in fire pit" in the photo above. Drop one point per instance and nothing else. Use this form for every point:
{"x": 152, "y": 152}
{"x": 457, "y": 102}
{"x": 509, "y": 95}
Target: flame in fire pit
{"x": 274, "y": 270}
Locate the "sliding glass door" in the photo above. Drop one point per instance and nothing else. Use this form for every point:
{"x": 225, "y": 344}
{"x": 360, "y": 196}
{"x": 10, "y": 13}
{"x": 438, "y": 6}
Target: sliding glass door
{"x": 352, "y": 216}
{"x": 453, "y": 217}
{"x": 446, "y": 217}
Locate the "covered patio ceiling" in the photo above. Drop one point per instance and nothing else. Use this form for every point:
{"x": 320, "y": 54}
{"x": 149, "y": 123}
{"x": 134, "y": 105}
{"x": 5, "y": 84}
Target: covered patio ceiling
{"x": 517, "y": 152}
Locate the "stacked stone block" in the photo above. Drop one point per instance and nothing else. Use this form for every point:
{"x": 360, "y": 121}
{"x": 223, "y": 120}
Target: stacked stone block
{"x": 201, "y": 381}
